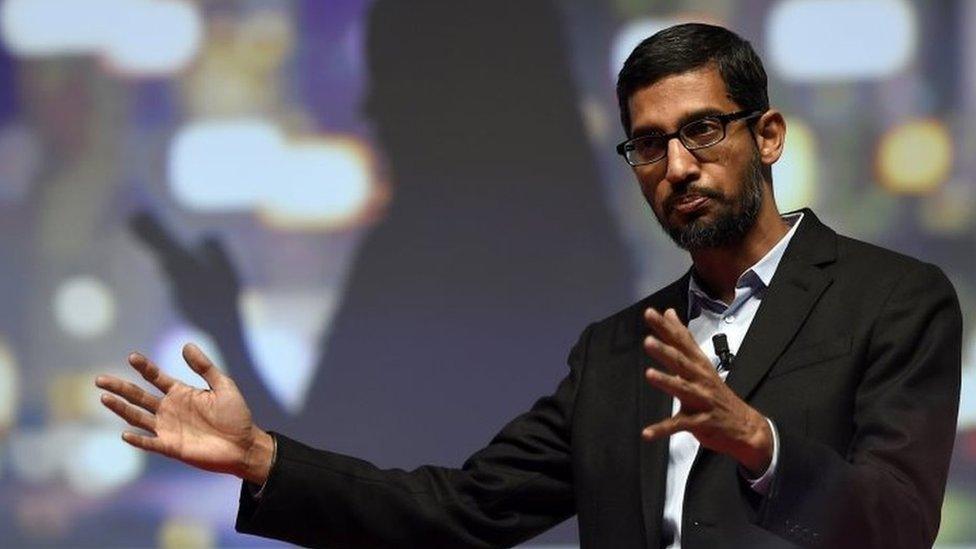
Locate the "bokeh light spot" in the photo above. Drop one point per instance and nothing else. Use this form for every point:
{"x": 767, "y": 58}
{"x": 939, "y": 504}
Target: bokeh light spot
{"x": 84, "y": 307}
{"x": 233, "y": 165}
{"x": 967, "y": 397}
{"x": 915, "y": 157}
{"x": 630, "y": 35}
{"x": 159, "y": 37}
{"x": 186, "y": 533}
{"x": 635, "y": 31}
{"x": 327, "y": 183}
{"x": 9, "y": 388}
{"x": 824, "y": 40}
{"x": 957, "y": 526}
{"x": 72, "y": 396}
{"x": 135, "y": 37}
{"x": 101, "y": 462}
{"x": 34, "y": 455}
{"x": 795, "y": 175}
{"x": 93, "y": 460}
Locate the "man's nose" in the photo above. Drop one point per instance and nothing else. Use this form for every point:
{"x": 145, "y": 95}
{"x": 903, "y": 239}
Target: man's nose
{"x": 682, "y": 164}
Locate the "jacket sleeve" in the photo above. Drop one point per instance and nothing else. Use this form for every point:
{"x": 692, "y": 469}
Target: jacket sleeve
{"x": 519, "y": 485}
{"x": 886, "y": 492}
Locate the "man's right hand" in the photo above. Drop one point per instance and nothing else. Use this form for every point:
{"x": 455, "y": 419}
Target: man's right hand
{"x": 208, "y": 429}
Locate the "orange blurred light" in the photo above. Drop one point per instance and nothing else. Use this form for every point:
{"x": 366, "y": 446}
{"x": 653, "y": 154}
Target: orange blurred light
{"x": 915, "y": 157}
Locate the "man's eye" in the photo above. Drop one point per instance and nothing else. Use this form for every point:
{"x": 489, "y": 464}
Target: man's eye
{"x": 702, "y": 129}
{"x": 650, "y": 144}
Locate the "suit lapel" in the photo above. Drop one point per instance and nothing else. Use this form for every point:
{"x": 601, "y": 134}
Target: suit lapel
{"x": 654, "y": 406}
{"x": 786, "y": 304}
{"x": 791, "y": 295}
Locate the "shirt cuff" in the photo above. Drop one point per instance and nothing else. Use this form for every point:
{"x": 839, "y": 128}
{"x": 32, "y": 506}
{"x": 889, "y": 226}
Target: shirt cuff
{"x": 255, "y": 490}
{"x": 761, "y": 485}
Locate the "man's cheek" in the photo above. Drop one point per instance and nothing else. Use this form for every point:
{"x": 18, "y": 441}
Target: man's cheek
{"x": 650, "y": 195}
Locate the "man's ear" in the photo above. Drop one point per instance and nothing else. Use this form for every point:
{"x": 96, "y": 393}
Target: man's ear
{"x": 770, "y": 135}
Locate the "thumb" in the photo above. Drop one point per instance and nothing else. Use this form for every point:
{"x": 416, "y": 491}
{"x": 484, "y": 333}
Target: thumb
{"x": 665, "y": 428}
{"x": 202, "y": 365}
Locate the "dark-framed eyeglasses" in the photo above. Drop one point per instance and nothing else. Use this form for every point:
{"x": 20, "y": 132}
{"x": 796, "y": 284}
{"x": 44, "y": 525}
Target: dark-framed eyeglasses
{"x": 697, "y": 134}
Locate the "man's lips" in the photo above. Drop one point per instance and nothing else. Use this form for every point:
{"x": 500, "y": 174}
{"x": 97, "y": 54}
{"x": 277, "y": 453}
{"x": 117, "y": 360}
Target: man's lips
{"x": 690, "y": 203}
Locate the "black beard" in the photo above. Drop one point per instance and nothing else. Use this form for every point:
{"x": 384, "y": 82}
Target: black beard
{"x": 732, "y": 224}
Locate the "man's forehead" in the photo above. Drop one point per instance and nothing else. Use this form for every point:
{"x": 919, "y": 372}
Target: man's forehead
{"x": 673, "y": 98}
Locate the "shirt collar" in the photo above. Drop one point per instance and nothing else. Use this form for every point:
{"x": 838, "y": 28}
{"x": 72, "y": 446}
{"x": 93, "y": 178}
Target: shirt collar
{"x": 765, "y": 268}
{"x": 760, "y": 275}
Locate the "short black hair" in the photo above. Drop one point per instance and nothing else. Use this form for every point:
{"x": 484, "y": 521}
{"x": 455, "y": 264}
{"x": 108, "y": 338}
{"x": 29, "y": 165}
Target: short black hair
{"x": 687, "y": 47}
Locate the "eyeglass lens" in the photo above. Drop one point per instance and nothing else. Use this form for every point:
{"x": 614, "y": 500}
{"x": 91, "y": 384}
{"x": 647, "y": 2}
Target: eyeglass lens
{"x": 697, "y": 135}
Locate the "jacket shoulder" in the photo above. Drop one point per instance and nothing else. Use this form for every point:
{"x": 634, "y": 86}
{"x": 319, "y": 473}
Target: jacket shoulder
{"x": 883, "y": 264}
{"x": 623, "y": 328}
{"x": 858, "y": 252}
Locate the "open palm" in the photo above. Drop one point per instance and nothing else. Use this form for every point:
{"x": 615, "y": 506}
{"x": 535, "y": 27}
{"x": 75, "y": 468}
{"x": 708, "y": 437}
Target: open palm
{"x": 208, "y": 429}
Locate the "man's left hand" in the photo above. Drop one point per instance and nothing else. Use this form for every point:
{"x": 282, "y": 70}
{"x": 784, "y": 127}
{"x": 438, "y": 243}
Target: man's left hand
{"x": 710, "y": 410}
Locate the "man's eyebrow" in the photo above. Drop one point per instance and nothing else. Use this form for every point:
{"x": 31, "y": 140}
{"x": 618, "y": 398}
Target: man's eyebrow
{"x": 642, "y": 131}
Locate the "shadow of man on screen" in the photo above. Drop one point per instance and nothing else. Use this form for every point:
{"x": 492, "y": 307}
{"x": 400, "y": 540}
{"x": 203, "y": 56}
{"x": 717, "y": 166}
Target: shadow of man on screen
{"x": 462, "y": 303}
{"x": 498, "y": 247}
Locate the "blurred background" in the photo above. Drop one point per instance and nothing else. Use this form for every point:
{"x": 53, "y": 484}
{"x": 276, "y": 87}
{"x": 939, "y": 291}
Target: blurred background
{"x": 389, "y": 221}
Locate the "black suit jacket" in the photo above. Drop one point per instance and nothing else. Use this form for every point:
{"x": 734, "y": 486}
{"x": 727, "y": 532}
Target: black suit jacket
{"x": 854, "y": 353}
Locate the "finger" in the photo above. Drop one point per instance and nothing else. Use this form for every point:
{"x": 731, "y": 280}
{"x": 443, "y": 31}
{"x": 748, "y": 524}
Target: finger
{"x": 132, "y": 415}
{"x": 151, "y": 373}
{"x": 686, "y": 341}
{"x": 201, "y": 365}
{"x": 673, "y": 360}
{"x": 665, "y": 428}
{"x": 129, "y": 391}
{"x": 143, "y": 442}
{"x": 669, "y": 329}
{"x": 654, "y": 319}
{"x": 660, "y": 327}
{"x": 680, "y": 388}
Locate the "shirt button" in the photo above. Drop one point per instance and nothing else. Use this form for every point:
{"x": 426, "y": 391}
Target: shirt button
{"x": 729, "y": 319}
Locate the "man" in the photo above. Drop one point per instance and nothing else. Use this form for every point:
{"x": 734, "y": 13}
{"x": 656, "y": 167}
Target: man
{"x": 821, "y": 415}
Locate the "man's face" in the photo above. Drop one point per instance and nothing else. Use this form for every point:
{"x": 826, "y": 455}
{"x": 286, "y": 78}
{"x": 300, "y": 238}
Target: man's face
{"x": 705, "y": 198}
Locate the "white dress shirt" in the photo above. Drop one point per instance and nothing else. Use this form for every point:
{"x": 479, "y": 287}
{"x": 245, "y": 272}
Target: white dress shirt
{"x": 708, "y": 317}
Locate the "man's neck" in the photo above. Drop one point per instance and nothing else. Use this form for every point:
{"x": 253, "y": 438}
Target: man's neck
{"x": 718, "y": 269}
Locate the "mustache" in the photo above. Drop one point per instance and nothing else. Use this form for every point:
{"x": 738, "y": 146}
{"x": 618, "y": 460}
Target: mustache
{"x": 700, "y": 191}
